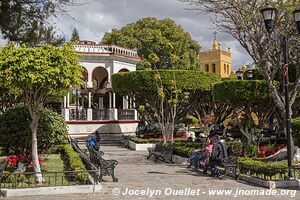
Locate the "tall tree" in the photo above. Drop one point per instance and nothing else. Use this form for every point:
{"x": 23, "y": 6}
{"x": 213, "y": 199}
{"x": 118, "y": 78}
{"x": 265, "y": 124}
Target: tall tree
{"x": 37, "y": 73}
{"x": 25, "y": 21}
{"x": 75, "y": 36}
{"x": 242, "y": 19}
{"x": 168, "y": 41}
{"x": 164, "y": 96}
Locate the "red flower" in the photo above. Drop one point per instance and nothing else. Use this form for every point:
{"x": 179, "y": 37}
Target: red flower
{"x": 261, "y": 154}
{"x": 269, "y": 152}
{"x": 262, "y": 148}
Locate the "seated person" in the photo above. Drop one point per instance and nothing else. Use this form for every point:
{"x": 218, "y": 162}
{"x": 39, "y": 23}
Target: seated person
{"x": 219, "y": 153}
{"x": 202, "y": 154}
{"x": 94, "y": 141}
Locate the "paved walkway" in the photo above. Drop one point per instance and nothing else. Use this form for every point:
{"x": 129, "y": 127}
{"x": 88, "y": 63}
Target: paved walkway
{"x": 146, "y": 178}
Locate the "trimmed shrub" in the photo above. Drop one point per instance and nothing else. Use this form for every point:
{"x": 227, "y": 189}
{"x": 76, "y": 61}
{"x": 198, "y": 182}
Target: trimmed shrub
{"x": 74, "y": 162}
{"x": 250, "y": 166}
{"x": 230, "y": 91}
{"x": 145, "y": 80}
{"x": 15, "y": 132}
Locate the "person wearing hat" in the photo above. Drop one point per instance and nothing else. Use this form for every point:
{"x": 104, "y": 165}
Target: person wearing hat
{"x": 94, "y": 141}
{"x": 219, "y": 153}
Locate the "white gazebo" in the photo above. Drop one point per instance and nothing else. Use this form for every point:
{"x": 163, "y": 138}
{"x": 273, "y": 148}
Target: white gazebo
{"x": 96, "y": 106}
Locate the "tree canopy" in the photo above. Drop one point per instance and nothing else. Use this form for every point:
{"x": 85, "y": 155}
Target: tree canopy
{"x": 25, "y": 21}
{"x": 38, "y": 72}
{"x": 75, "y": 36}
{"x": 164, "y": 96}
{"x": 243, "y": 20}
{"x": 163, "y": 39}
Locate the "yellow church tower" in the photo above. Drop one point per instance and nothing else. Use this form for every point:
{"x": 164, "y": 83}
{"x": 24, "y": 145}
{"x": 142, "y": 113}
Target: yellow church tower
{"x": 216, "y": 60}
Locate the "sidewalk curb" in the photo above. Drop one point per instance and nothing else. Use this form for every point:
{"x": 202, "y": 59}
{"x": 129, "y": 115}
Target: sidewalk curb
{"x": 76, "y": 189}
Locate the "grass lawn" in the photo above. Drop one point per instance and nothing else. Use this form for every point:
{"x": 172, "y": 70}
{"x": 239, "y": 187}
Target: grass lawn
{"x": 53, "y": 174}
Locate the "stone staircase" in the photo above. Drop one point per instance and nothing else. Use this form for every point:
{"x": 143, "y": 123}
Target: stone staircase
{"x": 106, "y": 140}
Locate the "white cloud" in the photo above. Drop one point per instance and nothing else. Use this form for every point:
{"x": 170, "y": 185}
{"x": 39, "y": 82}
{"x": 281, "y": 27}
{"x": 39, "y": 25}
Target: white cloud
{"x": 95, "y": 17}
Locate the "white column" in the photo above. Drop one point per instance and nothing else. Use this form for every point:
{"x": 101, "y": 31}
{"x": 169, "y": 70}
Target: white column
{"x": 90, "y": 100}
{"x": 65, "y": 102}
{"x": 100, "y": 103}
{"x": 110, "y": 100}
{"x": 68, "y": 100}
{"x": 65, "y": 109}
{"x": 125, "y": 102}
{"x": 114, "y": 100}
{"x": 89, "y": 110}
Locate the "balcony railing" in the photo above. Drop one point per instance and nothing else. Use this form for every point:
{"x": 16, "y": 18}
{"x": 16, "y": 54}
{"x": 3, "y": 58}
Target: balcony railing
{"x": 126, "y": 114}
{"x": 105, "y": 49}
{"x": 100, "y": 114}
{"x": 78, "y": 114}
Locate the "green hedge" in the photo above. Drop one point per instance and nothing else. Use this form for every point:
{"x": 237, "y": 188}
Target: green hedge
{"x": 144, "y": 80}
{"x": 74, "y": 162}
{"x": 296, "y": 130}
{"x": 144, "y": 141}
{"x": 250, "y": 166}
{"x": 241, "y": 91}
{"x": 183, "y": 148}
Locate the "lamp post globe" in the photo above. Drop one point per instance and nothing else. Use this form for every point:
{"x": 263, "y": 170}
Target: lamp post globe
{"x": 296, "y": 14}
{"x": 239, "y": 74}
{"x": 268, "y": 13}
{"x": 249, "y": 74}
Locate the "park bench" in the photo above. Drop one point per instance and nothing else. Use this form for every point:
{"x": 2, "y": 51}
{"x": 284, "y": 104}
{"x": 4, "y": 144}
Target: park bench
{"x": 161, "y": 152}
{"x": 107, "y": 167}
{"x": 227, "y": 166}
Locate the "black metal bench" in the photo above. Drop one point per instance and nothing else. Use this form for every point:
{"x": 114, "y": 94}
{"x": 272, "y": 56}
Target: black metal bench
{"x": 161, "y": 152}
{"x": 228, "y": 166}
{"x": 107, "y": 167}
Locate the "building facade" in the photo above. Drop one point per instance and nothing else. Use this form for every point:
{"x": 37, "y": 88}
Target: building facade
{"x": 216, "y": 60}
{"x": 95, "y": 106}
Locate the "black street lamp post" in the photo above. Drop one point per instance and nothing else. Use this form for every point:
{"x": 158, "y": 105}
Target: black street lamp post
{"x": 268, "y": 13}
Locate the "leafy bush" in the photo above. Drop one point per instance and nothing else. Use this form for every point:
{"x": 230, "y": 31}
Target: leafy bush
{"x": 144, "y": 141}
{"x": 296, "y": 130}
{"x": 74, "y": 162}
{"x": 15, "y": 132}
{"x": 255, "y": 167}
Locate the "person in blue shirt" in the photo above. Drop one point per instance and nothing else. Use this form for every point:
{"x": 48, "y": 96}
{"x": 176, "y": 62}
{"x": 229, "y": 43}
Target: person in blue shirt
{"x": 94, "y": 141}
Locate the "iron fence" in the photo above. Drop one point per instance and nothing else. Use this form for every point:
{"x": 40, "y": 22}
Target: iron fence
{"x": 268, "y": 173}
{"x": 125, "y": 114}
{"x": 78, "y": 114}
{"x": 100, "y": 114}
{"x": 50, "y": 179}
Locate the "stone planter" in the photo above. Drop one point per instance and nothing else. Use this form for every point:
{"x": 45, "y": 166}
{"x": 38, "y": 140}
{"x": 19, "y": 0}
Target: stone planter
{"x": 140, "y": 147}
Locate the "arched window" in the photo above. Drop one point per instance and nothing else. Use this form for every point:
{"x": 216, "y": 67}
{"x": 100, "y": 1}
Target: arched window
{"x": 225, "y": 68}
{"x": 207, "y": 67}
{"x": 228, "y": 69}
{"x": 214, "y": 68}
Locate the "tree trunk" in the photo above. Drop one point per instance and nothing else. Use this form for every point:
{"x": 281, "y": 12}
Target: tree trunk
{"x": 35, "y": 158}
{"x": 247, "y": 136}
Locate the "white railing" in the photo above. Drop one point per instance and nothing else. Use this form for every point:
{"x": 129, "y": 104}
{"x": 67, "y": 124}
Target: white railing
{"x": 105, "y": 48}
